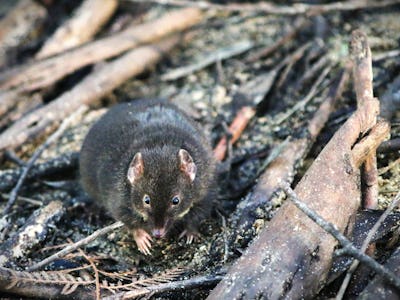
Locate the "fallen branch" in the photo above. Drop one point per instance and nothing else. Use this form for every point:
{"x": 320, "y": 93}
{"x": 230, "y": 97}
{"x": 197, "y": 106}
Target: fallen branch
{"x": 48, "y": 71}
{"x": 64, "y": 125}
{"x": 292, "y": 255}
{"x": 32, "y": 233}
{"x": 267, "y": 7}
{"x": 88, "y": 91}
{"x": 85, "y": 23}
{"x": 239, "y": 123}
{"x": 347, "y": 246}
{"x": 362, "y": 69}
{"x": 283, "y": 167}
{"x": 76, "y": 245}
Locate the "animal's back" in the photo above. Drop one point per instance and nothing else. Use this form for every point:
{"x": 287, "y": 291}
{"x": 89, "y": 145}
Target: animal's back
{"x": 129, "y": 128}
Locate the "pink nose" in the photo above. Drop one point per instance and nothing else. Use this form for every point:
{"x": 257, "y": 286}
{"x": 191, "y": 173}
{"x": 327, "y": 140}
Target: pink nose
{"x": 158, "y": 232}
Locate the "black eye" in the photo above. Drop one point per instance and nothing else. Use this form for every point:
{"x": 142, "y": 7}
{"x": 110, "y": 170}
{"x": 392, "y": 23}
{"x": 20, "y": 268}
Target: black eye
{"x": 146, "y": 199}
{"x": 175, "y": 200}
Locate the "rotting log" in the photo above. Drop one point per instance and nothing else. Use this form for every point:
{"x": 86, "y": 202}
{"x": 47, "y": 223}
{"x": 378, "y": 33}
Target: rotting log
{"x": 292, "y": 256}
{"x": 88, "y": 91}
{"x": 87, "y": 20}
{"x": 283, "y": 167}
{"x": 45, "y": 72}
{"x": 33, "y": 232}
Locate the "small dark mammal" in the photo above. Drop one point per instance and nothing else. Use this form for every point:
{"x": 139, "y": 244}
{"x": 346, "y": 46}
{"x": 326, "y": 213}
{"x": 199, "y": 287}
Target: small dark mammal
{"x": 151, "y": 167}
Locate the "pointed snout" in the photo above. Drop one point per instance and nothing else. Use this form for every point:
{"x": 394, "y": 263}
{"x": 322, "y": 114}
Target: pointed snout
{"x": 158, "y": 232}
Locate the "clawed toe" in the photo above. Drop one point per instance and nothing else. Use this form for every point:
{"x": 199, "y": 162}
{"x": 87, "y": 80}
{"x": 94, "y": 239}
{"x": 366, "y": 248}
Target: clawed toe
{"x": 190, "y": 236}
{"x": 143, "y": 241}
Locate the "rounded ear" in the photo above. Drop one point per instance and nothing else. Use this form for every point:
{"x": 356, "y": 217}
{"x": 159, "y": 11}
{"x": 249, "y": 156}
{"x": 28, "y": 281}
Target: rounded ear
{"x": 136, "y": 168}
{"x": 187, "y": 165}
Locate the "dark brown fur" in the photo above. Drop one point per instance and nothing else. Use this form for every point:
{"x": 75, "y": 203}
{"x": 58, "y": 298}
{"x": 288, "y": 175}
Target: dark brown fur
{"x": 158, "y": 130}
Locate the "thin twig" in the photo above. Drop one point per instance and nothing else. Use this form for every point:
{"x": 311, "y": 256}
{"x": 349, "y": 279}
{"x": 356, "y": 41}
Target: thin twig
{"x": 385, "y": 55}
{"x": 12, "y": 156}
{"x": 365, "y": 244}
{"x": 287, "y": 70}
{"x": 25, "y": 199}
{"x": 298, "y": 25}
{"x": 301, "y": 104}
{"x": 76, "y": 245}
{"x": 209, "y": 59}
{"x": 291, "y": 60}
{"x": 348, "y": 247}
{"x": 242, "y": 118}
{"x": 51, "y": 139}
{"x": 322, "y": 62}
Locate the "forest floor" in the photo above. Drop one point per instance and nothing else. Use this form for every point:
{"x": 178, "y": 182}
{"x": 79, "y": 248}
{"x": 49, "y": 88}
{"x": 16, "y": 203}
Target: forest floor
{"x": 211, "y": 95}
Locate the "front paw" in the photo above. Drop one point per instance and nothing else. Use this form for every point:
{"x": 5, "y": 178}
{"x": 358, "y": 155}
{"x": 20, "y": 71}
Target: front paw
{"x": 143, "y": 241}
{"x": 191, "y": 235}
